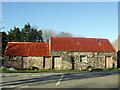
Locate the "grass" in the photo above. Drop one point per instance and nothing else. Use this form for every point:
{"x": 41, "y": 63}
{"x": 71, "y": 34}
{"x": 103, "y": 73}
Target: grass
{"x": 33, "y": 71}
{"x": 56, "y": 71}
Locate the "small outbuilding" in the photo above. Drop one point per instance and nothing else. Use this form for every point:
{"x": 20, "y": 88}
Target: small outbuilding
{"x": 27, "y": 55}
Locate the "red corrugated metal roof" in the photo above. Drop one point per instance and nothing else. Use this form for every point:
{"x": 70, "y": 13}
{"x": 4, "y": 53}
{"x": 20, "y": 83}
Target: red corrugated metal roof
{"x": 80, "y": 44}
{"x": 27, "y": 49}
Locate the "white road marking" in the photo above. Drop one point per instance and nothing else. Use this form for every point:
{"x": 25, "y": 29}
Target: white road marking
{"x": 57, "y": 83}
{"x": 59, "y": 80}
{"x": 13, "y": 86}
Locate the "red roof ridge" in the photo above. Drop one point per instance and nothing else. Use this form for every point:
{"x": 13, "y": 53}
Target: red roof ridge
{"x": 81, "y": 44}
{"x": 81, "y": 38}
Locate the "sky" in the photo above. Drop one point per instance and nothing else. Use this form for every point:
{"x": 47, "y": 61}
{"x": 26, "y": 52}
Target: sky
{"x": 86, "y": 19}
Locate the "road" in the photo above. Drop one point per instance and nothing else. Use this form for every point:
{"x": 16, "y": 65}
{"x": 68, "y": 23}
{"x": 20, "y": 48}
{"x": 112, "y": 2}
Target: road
{"x": 107, "y": 79}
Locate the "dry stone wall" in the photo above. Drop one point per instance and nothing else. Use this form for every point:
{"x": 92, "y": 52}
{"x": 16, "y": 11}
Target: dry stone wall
{"x": 68, "y": 60}
{"x": 35, "y": 62}
{"x": 30, "y": 62}
{"x": 16, "y": 63}
{"x": 95, "y": 59}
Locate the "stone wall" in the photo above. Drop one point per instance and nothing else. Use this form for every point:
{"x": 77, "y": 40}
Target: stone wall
{"x": 95, "y": 59}
{"x": 38, "y": 62}
{"x": 19, "y": 62}
{"x": 16, "y": 62}
{"x": 35, "y": 62}
{"x": 66, "y": 62}
{"x": 62, "y": 60}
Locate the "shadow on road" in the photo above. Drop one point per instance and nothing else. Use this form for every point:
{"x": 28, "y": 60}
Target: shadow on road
{"x": 55, "y": 78}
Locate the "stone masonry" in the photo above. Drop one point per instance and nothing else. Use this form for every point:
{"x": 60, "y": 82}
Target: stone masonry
{"x": 16, "y": 62}
{"x": 31, "y": 62}
{"x": 95, "y": 59}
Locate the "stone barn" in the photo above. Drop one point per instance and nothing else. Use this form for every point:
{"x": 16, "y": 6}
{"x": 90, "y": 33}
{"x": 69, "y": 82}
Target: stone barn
{"x": 61, "y": 53}
{"x": 81, "y": 53}
{"x": 27, "y": 55}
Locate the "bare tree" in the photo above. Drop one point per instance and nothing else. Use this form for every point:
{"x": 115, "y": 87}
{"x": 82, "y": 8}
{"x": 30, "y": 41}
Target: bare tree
{"x": 65, "y": 34}
{"x": 51, "y": 33}
{"x": 47, "y": 34}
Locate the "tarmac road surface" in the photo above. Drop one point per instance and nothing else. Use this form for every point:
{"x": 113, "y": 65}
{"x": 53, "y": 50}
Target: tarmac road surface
{"x": 108, "y": 79}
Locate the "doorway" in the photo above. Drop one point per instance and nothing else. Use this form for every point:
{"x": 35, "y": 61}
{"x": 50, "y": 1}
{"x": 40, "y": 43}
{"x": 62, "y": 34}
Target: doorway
{"x": 108, "y": 62}
{"x": 43, "y": 62}
{"x": 25, "y": 62}
{"x": 72, "y": 61}
{"x": 56, "y": 63}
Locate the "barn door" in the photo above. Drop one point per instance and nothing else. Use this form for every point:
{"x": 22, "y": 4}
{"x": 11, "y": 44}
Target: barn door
{"x": 47, "y": 63}
{"x": 25, "y": 62}
{"x": 56, "y": 63}
{"x": 108, "y": 62}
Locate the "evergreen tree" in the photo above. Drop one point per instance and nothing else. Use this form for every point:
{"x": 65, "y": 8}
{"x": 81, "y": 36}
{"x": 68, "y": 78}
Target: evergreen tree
{"x": 4, "y": 41}
{"x": 30, "y": 34}
{"x": 14, "y": 35}
{"x": 25, "y": 32}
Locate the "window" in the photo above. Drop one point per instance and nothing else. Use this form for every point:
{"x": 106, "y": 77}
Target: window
{"x": 83, "y": 58}
{"x": 98, "y": 41}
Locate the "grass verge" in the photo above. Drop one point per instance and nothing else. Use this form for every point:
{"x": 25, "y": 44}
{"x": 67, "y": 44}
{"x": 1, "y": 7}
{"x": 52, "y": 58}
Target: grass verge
{"x": 38, "y": 71}
{"x": 56, "y": 71}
